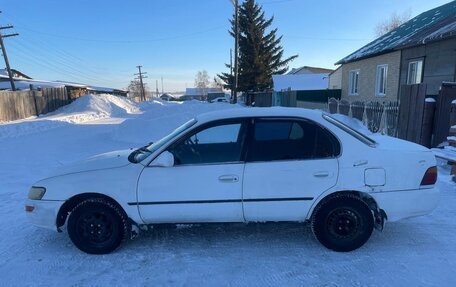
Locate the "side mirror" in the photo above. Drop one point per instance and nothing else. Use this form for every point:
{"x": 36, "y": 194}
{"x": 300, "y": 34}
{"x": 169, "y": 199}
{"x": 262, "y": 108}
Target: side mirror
{"x": 165, "y": 159}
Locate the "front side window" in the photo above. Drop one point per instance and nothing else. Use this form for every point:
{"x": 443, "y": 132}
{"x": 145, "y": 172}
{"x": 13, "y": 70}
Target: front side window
{"x": 353, "y": 83}
{"x": 414, "y": 74}
{"x": 380, "y": 85}
{"x": 290, "y": 140}
{"x": 142, "y": 153}
{"x": 214, "y": 144}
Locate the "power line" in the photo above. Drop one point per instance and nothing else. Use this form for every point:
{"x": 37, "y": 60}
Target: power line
{"x": 65, "y": 58}
{"x": 63, "y": 62}
{"x": 50, "y": 66}
{"x": 24, "y": 26}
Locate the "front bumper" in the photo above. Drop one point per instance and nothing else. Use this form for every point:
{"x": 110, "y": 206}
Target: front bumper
{"x": 407, "y": 203}
{"x": 44, "y": 213}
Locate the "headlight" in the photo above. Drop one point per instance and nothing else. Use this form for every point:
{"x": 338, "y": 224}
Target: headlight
{"x": 36, "y": 192}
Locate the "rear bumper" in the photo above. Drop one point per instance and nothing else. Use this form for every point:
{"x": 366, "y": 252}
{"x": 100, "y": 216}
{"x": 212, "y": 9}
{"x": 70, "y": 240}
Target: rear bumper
{"x": 44, "y": 213}
{"x": 407, "y": 203}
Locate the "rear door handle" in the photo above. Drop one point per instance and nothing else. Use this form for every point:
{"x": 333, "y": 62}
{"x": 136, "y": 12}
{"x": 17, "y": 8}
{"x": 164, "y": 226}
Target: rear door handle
{"x": 360, "y": 162}
{"x": 321, "y": 174}
{"x": 228, "y": 178}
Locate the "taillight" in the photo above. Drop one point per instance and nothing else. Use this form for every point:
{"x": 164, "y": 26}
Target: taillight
{"x": 430, "y": 177}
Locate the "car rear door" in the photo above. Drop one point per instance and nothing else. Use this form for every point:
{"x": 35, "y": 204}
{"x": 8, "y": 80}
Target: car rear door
{"x": 289, "y": 163}
{"x": 205, "y": 183}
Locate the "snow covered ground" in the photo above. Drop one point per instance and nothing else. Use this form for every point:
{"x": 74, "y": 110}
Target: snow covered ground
{"x": 414, "y": 252}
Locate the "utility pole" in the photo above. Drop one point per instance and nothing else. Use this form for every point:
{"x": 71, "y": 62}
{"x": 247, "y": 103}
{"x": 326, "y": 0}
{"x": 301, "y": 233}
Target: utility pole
{"x": 162, "y": 85}
{"x": 140, "y": 78}
{"x": 5, "y": 56}
{"x": 236, "y": 49}
{"x": 231, "y": 72}
{"x": 156, "y": 88}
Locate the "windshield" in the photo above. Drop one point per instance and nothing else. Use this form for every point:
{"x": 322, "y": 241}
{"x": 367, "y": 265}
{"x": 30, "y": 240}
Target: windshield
{"x": 361, "y": 137}
{"x": 143, "y": 152}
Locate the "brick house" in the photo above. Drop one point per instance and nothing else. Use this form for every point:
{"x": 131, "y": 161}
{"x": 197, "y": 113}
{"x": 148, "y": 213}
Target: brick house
{"x": 422, "y": 50}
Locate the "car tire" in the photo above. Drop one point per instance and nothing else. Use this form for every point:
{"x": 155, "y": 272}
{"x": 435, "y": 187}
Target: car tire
{"x": 97, "y": 226}
{"x": 343, "y": 223}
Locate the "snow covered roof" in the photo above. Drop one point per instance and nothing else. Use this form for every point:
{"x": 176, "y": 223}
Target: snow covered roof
{"x": 24, "y": 84}
{"x": 309, "y": 70}
{"x": 300, "y": 82}
{"x": 100, "y": 89}
{"x": 15, "y": 73}
{"x": 423, "y": 28}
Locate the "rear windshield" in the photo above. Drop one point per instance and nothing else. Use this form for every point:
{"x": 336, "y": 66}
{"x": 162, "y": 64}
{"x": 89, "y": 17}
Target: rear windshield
{"x": 361, "y": 137}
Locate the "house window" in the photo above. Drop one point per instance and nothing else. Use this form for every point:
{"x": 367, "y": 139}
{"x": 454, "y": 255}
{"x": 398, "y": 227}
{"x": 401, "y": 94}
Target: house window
{"x": 380, "y": 83}
{"x": 353, "y": 83}
{"x": 415, "y": 71}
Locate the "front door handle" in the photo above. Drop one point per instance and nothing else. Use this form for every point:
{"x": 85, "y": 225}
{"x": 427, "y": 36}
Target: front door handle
{"x": 321, "y": 174}
{"x": 228, "y": 178}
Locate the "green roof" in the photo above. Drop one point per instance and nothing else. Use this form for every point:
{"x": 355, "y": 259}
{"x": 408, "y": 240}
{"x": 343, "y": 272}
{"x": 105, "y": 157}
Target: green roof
{"x": 430, "y": 25}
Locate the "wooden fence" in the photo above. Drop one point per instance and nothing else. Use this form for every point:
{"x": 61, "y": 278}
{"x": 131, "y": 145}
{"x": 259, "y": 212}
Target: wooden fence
{"x": 259, "y": 99}
{"x": 411, "y": 112}
{"x": 446, "y": 96}
{"x": 415, "y": 118}
{"x": 23, "y": 104}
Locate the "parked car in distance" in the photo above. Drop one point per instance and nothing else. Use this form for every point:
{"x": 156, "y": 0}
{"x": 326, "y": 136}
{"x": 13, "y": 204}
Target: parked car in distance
{"x": 243, "y": 165}
{"x": 219, "y": 100}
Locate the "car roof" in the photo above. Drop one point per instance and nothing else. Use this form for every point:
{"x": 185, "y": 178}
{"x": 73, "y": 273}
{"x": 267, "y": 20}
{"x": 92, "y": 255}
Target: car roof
{"x": 237, "y": 112}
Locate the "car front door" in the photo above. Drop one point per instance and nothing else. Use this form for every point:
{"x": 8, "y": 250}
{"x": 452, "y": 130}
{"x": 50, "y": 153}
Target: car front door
{"x": 289, "y": 163}
{"x": 205, "y": 183}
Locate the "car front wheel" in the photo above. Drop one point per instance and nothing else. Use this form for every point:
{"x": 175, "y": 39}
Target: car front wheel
{"x": 97, "y": 226}
{"x": 343, "y": 223}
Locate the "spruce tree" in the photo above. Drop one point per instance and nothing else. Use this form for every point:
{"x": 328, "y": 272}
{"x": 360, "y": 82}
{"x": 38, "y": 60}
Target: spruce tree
{"x": 260, "y": 51}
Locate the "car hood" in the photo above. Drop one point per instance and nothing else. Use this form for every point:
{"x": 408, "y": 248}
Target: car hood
{"x": 101, "y": 161}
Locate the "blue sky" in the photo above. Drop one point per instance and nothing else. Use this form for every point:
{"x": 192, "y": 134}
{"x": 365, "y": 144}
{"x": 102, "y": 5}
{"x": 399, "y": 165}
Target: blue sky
{"x": 101, "y": 41}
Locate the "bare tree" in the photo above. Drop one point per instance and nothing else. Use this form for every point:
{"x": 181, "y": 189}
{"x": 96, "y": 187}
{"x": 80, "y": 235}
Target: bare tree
{"x": 202, "y": 79}
{"x": 217, "y": 83}
{"x": 394, "y": 21}
{"x": 134, "y": 90}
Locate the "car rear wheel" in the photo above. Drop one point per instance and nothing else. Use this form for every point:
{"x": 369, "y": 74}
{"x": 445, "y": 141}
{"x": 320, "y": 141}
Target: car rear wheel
{"x": 343, "y": 223}
{"x": 97, "y": 226}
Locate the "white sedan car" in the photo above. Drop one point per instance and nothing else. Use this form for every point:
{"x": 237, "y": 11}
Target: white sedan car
{"x": 243, "y": 165}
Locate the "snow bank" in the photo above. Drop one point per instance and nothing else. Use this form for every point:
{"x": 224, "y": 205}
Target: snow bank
{"x": 300, "y": 82}
{"x": 92, "y": 107}
{"x": 84, "y": 109}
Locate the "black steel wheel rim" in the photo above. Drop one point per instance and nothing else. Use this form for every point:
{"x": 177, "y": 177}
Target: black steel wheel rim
{"x": 343, "y": 223}
{"x": 95, "y": 227}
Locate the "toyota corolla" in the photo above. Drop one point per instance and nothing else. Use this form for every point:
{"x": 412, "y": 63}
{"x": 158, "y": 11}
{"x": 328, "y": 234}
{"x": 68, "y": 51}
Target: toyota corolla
{"x": 242, "y": 165}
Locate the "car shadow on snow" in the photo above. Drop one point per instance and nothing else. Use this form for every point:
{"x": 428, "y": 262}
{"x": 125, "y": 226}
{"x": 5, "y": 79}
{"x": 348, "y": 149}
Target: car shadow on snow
{"x": 270, "y": 235}
{"x": 265, "y": 237}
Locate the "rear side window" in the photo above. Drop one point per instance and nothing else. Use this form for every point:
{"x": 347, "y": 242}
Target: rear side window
{"x": 274, "y": 131}
{"x": 290, "y": 140}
